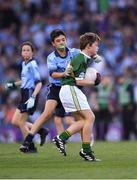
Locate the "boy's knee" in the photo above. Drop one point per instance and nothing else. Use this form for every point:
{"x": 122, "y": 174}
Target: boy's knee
{"x": 93, "y": 117}
{"x": 14, "y": 122}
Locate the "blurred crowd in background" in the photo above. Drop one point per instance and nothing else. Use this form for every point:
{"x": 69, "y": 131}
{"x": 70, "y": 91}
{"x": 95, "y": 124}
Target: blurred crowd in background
{"x": 115, "y": 21}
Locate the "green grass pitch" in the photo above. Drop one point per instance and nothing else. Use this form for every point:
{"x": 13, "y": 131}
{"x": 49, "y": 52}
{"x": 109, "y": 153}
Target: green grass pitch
{"x": 119, "y": 161}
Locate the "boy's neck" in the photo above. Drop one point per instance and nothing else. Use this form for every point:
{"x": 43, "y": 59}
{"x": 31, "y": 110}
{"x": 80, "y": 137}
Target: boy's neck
{"x": 27, "y": 60}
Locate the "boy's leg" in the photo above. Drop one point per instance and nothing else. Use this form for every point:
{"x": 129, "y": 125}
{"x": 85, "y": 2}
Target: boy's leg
{"x": 16, "y": 120}
{"x": 58, "y": 118}
{"x": 58, "y": 124}
{"x": 85, "y": 119}
{"x": 61, "y": 139}
{"x": 22, "y": 124}
{"x": 89, "y": 118}
{"x": 24, "y": 129}
{"x": 86, "y": 151}
{"x": 43, "y": 132}
{"x": 69, "y": 120}
{"x": 19, "y": 120}
{"x": 44, "y": 117}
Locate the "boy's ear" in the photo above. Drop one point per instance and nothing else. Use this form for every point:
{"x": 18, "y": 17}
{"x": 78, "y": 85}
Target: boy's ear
{"x": 53, "y": 44}
{"x": 89, "y": 45}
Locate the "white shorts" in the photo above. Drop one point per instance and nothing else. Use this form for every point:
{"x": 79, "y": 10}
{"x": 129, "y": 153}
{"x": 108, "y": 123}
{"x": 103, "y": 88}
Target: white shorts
{"x": 73, "y": 99}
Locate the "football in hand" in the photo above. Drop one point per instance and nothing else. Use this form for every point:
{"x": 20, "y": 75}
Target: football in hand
{"x": 94, "y": 75}
{"x": 91, "y": 74}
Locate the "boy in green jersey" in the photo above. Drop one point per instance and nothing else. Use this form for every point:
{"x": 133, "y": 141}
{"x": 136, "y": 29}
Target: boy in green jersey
{"x": 75, "y": 101}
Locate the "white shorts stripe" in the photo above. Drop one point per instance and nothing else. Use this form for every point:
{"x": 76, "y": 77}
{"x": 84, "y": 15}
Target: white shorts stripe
{"x": 73, "y": 99}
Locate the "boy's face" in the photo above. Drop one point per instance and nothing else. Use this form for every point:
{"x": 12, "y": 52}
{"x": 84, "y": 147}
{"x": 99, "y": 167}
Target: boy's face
{"x": 26, "y": 52}
{"x": 93, "y": 49}
{"x": 59, "y": 43}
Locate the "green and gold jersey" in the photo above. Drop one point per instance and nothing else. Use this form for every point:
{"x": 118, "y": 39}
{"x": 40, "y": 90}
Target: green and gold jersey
{"x": 125, "y": 93}
{"x": 79, "y": 64}
{"x": 103, "y": 95}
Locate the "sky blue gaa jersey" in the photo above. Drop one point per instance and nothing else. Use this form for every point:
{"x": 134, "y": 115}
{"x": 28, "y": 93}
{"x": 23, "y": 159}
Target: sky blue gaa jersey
{"x": 30, "y": 74}
{"x": 55, "y": 63}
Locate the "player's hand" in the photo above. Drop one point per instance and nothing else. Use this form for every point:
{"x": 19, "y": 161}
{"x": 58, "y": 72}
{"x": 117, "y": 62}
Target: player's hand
{"x": 98, "y": 79}
{"x": 68, "y": 71}
{"x": 30, "y": 102}
{"x": 97, "y": 58}
{"x": 10, "y": 85}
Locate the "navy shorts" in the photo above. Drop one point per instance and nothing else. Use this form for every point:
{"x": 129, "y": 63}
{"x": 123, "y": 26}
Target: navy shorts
{"x": 53, "y": 93}
{"x": 25, "y": 95}
{"x": 60, "y": 112}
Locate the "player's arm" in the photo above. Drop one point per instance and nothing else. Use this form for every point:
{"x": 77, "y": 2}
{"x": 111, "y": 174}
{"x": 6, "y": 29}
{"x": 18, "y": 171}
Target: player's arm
{"x": 18, "y": 83}
{"x": 57, "y": 75}
{"x": 87, "y": 82}
{"x": 38, "y": 85}
{"x": 12, "y": 85}
{"x": 80, "y": 79}
{"x": 52, "y": 67}
{"x": 37, "y": 79}
{"x": 68, "y": 72}
{"x": 37, "y": 89}
{"x": 84, "y": 82}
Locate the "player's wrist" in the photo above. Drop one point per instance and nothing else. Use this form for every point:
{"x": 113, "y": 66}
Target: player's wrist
{"x": 9, "y": 85}
{"x": 14, "y": 84}
{"x": 33, "y": 96}
{"x": 97, "y": 58}
{"x": 64, "y": 74}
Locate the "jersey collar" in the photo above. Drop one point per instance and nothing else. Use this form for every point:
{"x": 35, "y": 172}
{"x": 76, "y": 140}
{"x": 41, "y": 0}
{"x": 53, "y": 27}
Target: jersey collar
{"x": 88, "y": 57}
{"x": 28, "y": 61}
{"x": 58, "y": 55}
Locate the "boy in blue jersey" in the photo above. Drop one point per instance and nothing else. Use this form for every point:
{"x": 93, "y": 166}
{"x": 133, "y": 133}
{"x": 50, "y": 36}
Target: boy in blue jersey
{"x": 57, "y": 62}
{"x": 30, "y": 84}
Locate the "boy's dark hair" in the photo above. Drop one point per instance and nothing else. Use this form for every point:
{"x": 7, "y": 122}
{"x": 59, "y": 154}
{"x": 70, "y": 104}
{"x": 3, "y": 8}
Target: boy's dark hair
{"x": 29, "y": 44}
{"x": 88, "y": 38}
{"x": 55, "y": 33}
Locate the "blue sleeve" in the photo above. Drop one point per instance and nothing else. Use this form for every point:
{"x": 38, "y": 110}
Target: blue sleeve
{"x": 35, "y": 72}
{"x": 75, "y": 51}
{"x": 51, "y": 64}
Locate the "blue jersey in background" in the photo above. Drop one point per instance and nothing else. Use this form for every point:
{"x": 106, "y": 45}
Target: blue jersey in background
{"x": 30, "y": 74}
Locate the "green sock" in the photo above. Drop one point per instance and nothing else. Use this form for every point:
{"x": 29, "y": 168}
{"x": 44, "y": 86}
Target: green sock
{"x": 64, "y": 136}
{"x": 86, "y": 147}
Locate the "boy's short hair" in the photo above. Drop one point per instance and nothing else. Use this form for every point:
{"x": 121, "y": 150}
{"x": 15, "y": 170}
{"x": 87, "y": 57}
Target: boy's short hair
{"x": 29, "y": 44}
{"x": 55, "y": 33}
{"x": 88, "y": 38}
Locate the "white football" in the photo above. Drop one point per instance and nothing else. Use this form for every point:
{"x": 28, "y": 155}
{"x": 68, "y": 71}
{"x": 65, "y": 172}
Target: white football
{"x": 91, "y": 74}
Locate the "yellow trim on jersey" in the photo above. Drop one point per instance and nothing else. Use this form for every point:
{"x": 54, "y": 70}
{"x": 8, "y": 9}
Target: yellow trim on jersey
{"x": 75, "y": 99}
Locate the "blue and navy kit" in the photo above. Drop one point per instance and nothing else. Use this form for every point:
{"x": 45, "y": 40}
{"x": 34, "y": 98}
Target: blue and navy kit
{"x": 56, "y": 63}
{"x": 30, "y": 76}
